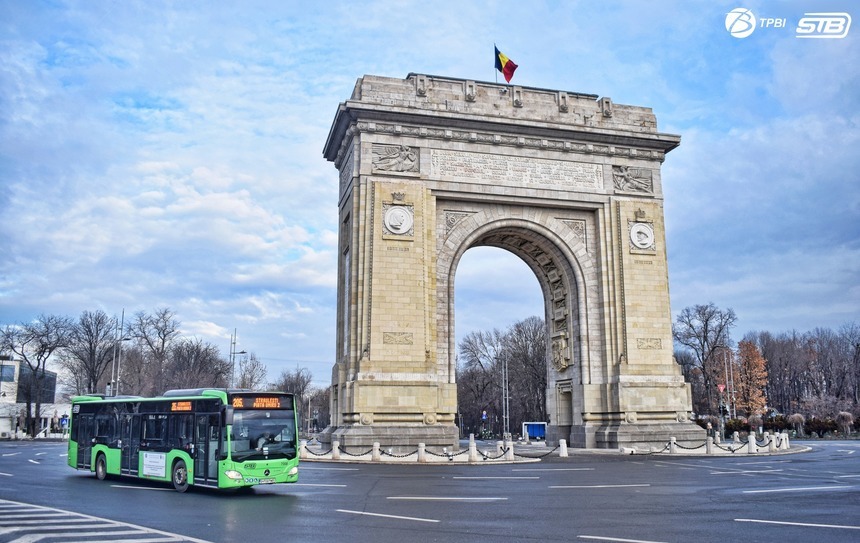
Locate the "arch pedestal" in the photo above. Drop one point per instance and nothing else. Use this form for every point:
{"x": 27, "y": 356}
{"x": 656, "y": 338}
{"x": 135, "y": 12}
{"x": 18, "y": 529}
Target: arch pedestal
{"x": 430, "y": 167}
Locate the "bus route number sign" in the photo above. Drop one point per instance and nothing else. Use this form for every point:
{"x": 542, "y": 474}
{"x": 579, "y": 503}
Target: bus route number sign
{"x": 257, "y": 402}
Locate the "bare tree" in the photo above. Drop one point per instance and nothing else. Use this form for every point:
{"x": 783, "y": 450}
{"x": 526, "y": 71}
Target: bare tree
{"x": 156, "y": 334}
{"x": 481, "y": 358}
{"x": 194, "y": 363}
{"x": 526, "y": 343}
{"x": 706, "y": 331}
{"x": 298, "y": 382}
{"x": 91, "y": 349}
{"x": 319, "y": 412}
{"x": 252, "y": 372}
{"x": 35, "y": 343}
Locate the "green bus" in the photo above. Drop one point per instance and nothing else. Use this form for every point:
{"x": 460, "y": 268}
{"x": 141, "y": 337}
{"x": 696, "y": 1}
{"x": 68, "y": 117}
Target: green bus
{"x": 215, "y": 438}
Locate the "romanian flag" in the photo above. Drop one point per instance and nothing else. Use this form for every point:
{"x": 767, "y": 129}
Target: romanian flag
{"x": 505, "y": 65}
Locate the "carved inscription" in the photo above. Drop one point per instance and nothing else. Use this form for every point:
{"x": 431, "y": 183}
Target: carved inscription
{"x": 515, "y": 170}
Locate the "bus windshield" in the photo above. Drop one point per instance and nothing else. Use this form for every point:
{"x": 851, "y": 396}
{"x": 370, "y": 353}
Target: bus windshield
{"x": 263, "y": 434}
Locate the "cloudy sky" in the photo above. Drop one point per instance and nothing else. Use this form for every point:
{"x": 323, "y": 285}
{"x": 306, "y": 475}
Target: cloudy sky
{"x": 169, "y": 154}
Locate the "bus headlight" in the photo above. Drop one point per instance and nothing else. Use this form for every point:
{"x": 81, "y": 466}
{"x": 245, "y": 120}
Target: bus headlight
{"x": 233, "y": 474}
{"x": 294, "y": 471}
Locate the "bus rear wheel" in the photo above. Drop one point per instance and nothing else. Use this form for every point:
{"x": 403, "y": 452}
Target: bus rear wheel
{"x": 180, "y": 476}
{"x": 101, "y": 467}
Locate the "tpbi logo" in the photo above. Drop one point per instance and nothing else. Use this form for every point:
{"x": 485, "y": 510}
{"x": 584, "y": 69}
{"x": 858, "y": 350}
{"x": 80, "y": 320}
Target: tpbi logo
{"x": 741, "y": 22}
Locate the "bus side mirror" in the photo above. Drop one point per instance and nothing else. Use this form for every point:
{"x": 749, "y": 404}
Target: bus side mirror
{"x": 228, "y": 415}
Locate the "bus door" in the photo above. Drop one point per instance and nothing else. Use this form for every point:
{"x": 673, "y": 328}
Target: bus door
{"x": 130, "y": 444}
{"x": 84, "y": 423}
{"x": 207, "y": 433}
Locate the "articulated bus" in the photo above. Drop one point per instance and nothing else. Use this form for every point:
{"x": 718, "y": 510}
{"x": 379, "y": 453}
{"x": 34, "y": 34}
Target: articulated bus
{"x": 215, "y": 438}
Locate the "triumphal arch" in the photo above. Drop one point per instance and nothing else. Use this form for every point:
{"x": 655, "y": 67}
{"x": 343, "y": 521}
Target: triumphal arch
{"x": 568, "y": 182}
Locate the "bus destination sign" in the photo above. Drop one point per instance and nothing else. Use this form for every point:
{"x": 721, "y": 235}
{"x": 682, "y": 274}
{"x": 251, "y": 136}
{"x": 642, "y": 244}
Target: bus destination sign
{"x": 180, "y": 406}
{"x": 258, "y": 402}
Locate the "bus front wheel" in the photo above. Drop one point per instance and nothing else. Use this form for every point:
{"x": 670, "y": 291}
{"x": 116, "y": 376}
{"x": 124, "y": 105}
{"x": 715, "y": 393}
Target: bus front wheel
{"x": 101, "y": 467}
{"x": 180, "y": 476}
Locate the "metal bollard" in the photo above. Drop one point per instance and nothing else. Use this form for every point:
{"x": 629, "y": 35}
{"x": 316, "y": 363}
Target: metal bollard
{"x": 303, "y": 445}
{"x": 562, "y": 451}
{"x": 335, "y": 450}
{"x": 673, "y": 445}
{"x": 375, "y": 456}
{"x": 422, "y": 453}
{"x": 751, "y": 446}
{"x": 709, "y": 445}
{"x": 473, "y": 451}
{"x": 771, "y": 442}
{"x": 785, "y": 444}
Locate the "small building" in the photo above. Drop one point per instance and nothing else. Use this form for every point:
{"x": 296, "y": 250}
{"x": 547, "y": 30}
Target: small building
{"x": 15, "y": 376}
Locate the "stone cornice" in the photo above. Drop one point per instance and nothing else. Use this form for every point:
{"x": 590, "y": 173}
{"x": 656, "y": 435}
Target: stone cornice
{"x": 584, "y": 141}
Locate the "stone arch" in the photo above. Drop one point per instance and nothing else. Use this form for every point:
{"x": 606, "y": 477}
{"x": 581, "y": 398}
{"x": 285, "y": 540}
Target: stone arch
{"x": 430, "y": 167}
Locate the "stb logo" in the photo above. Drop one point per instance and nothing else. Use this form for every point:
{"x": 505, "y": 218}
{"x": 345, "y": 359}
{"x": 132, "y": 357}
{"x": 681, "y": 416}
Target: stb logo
{"x": 823, "y": 25}
{"x": 740, "y": 22}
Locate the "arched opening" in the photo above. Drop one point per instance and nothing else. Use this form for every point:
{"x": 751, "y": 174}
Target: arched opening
{"x": 548, "y": 255}
{"x": 499, "y": 312}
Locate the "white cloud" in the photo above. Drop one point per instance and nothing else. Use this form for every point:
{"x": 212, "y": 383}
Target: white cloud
{"x": 173, "y": 157}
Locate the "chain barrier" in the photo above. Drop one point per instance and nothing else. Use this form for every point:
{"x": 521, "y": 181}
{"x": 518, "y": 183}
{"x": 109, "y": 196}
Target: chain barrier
{"x": 354, "y": 455}
{"x": 318, "y": 454}
{"x": 488, "y": 457}
{"x": 689, "y": 448}
{"x": 447, "y": 455}
{"x": 538, "y": 456}
{"x": 664, "y": 449}
{"x": 729, "y": 448}
{"x": 392, "y": 455}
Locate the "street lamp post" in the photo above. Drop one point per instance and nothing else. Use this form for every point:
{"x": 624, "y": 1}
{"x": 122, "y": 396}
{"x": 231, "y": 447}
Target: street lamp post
{"x": 233, "y": 354}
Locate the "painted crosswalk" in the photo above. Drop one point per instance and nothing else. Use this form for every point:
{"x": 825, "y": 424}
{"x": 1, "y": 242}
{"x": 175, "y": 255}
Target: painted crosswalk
{"x": 25, "y": 523}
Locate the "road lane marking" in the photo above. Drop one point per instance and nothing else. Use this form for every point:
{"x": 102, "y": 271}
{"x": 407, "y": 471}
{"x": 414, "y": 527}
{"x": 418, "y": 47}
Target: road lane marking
{"x": 499, "y": 477}
{"x": 444, "y": 499}
{"x": 599, "y": 538}
{"x": 11, "y": 454}
{"x": 306, "y": 468}
{"x": 30, "y": 460}
{"x": 317, "y": 484}
{"x": 107, "y": 527}
{"x": 143, "y": 488}
{"x": 598, "y": 486}
{"x": 806, "y": 524}
{"x": 554, "y": 469}
{"x": 398, "y": 517}
{"x": 739, "y": 472}
{"x": 5, "y": 474}
{"x": 846, "y": 476}
{"x": 798, "y": 489}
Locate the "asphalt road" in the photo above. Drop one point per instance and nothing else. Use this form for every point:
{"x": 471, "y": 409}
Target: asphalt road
{"x": 806, "y": 497}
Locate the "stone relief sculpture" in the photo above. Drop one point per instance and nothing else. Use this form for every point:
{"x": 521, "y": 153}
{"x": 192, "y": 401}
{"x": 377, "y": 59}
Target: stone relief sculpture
{"x": 632, "y": 179}
{"x": 397, "y": 220}
{"x": 560, "y": 358}
{"x": 395, "y": 158}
